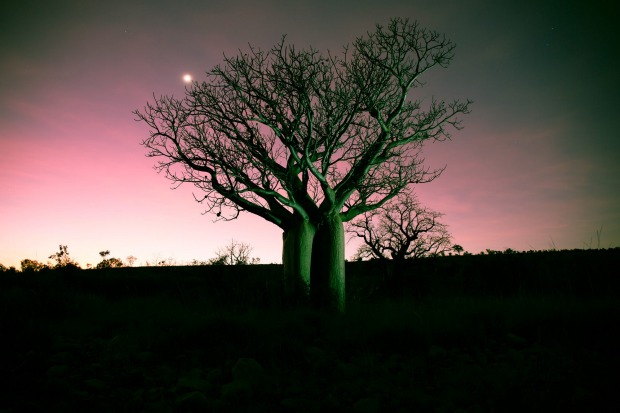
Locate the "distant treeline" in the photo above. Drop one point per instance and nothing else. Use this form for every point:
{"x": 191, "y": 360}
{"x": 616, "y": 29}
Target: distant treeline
{"x": 578, "y": 273}
{"x": 575, "y": 272}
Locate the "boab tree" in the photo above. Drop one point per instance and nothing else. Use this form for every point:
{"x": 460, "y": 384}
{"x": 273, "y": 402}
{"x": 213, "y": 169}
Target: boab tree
{"x": 307, "y": 141}
{"x": 401, "y": 229}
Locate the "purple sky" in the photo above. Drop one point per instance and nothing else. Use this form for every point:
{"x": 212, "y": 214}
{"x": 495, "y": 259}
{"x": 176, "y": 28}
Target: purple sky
{"x": 537, "y": 164}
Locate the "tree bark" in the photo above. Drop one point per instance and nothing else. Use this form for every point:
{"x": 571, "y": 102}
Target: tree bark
{"x": 327, "y": 269}
{"x": 296, "y": 259}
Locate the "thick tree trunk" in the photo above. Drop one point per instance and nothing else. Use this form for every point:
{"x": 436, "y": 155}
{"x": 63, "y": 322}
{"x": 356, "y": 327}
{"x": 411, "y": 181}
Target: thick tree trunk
{"x": 296, "y": 259}
{"x": 328, "y": 274}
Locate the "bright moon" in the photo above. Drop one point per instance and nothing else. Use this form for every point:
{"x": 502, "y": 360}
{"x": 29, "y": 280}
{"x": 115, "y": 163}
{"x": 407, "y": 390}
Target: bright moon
{"x": 187, "y": 78}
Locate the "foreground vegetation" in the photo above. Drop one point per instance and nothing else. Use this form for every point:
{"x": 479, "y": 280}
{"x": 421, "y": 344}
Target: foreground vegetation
{"x": 465, "y": 334}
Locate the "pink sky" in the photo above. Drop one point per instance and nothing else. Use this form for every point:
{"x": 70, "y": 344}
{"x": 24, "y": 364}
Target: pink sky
{"x": 536, "y": 165}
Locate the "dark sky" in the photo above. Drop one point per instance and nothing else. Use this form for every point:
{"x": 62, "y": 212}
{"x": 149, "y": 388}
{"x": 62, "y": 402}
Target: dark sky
{"x": 537, "y": 164}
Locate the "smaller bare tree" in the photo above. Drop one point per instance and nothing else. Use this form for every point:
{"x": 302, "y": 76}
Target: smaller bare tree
{"x": 131, "y": 260}
{"x": 401, "y": 229}
{"x": 235, "y": 253}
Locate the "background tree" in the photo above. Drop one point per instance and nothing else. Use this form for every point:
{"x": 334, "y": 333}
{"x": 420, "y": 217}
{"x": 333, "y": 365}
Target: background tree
{"x": 131, "y": 260}
{"x": 235, "y": 253}
{"x": 161, "y": 262}
{"x": 307, "y": 141}
{"x": 401, "y": 229}
{"x": 457, "y": 248}
{"x": 28, "y": 265}
{"x": 109, "y": 262}
{"x": 62, "y": 258}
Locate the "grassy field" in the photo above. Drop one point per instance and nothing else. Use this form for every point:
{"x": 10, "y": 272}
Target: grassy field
{"x": 151, "y": 340}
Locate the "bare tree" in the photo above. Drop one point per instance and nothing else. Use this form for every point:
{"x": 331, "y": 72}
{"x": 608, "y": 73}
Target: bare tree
{"x": 401, "y": 229}
{"x": 307, "y": 141}
{"x": 131, "y": 260}
{"x": 235, "y": 253}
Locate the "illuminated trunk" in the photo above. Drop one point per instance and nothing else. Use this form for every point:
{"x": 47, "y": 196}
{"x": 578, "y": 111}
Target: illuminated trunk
{"x": 296, "y": 258}
{"x": 328, "y": 278}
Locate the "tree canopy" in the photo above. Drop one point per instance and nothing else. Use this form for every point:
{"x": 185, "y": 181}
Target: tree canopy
{"x": 307, "y": 140}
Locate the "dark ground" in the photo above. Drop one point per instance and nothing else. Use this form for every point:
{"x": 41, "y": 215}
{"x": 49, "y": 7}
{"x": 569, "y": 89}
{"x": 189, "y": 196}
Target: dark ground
{"x": 495, "y": 333}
